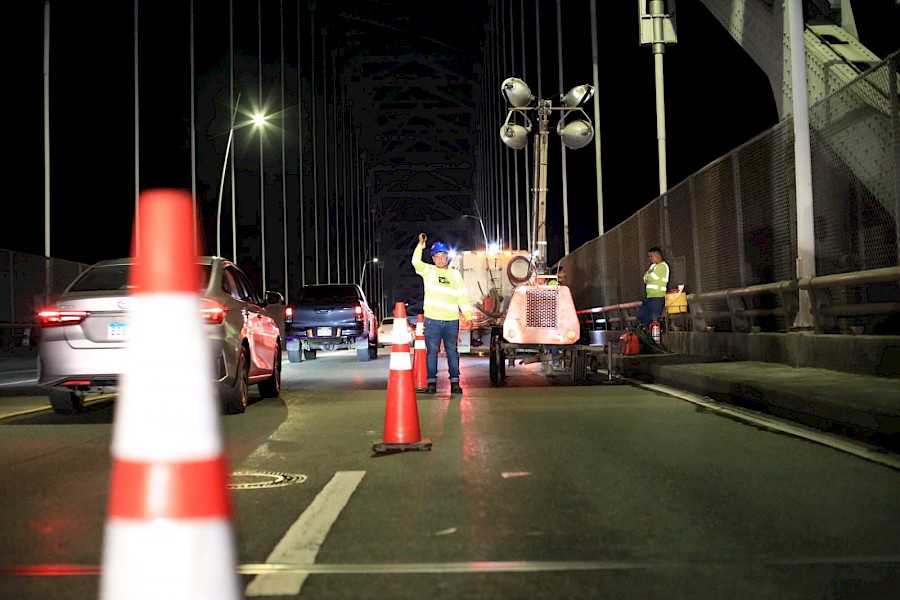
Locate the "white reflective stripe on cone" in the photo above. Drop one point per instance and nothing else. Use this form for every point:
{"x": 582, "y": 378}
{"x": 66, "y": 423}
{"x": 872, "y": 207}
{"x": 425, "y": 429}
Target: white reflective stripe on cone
{"x": 183, "y": 568}
{"x": 158, "y": 384}
{"x": 400, "y": 360}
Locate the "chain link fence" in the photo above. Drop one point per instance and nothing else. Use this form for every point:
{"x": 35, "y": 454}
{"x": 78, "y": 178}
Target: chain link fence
{"x": 734, "y": 224}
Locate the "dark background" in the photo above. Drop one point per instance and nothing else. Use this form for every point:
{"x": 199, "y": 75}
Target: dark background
{"x": 716, "y": 99}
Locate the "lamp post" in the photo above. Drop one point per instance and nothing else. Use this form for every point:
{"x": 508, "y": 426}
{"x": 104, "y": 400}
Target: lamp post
{"x": 260, "y": 120}
{"x": 483, "y": 233}
{"x": 575, "y": 134}
{"x": 362, "y": 273}
{"x": 222, "y": 187}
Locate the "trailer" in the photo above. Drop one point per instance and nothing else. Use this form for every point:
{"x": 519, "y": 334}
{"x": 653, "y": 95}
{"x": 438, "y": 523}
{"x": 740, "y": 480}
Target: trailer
{"x": 542, "y": 326}
{"x": 537, "y": 321}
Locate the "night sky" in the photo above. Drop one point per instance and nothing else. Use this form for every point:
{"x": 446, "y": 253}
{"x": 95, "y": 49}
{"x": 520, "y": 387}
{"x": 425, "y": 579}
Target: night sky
{"x": 716, "y": 99}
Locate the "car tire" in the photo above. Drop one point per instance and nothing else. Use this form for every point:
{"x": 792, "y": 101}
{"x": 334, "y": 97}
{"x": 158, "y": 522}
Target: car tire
{"x": 236, "y": 398}
{"x": 373, "y": 349}
{"x": 363, "y": 352}
{"x": 271, "y": 387}
{"x": 309, "y": 355}
{"x": 65, "y": 402}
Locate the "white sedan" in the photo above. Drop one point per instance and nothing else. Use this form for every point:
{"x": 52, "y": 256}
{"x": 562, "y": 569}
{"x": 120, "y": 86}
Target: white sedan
{"x": 386, "y": 332}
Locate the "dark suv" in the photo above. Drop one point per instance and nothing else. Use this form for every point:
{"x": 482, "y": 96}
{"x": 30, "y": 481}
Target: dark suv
{"x": 331, "y": 316}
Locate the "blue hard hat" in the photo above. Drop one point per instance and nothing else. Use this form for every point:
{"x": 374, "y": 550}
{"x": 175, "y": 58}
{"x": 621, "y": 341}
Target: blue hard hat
{"x": 439, "y": 247}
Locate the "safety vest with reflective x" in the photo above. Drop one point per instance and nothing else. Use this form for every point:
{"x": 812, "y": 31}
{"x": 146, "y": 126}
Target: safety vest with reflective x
{"x": 657, "y": 279}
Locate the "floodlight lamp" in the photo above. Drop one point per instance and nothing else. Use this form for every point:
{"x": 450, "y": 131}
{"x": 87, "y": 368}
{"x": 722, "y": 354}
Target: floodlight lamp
{"x": 517, "y": 92}
{"x": 576, "y": 134}
{"x": 514, "y": 136}
{"x": 578, "y": 96}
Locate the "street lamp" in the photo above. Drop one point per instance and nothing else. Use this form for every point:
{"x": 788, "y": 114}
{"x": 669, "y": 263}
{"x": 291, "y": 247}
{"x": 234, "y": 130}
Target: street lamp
{"x": 483, "y": 233}
{"x": 362, "y": 273}
{"x": 256, "y": 121}
{"x": 222, "y": 188}
{"x": 575, "y": 134}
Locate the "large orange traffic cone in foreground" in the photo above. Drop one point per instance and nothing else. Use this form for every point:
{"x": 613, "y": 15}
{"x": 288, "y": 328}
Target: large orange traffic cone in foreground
{"x": 420, "y": 367}
{"x": 401, "y": 419}
{"x": 168, "y": 532}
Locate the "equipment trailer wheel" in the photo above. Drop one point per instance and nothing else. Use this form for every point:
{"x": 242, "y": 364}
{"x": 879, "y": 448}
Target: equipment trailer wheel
{"x": 497, "y": 367}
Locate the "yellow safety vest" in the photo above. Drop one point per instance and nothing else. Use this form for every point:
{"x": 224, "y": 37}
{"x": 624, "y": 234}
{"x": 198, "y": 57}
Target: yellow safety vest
{"x": 657, "y": 279}
{"x": 445, "y": 291}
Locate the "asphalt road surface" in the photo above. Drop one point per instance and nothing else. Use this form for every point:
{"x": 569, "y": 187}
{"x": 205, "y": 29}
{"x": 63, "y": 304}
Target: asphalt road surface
{"x": 530, "y": 490}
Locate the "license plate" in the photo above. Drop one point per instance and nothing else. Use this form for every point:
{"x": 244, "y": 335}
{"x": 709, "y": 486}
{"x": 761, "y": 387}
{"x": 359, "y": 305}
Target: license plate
{"x": 323, "y": 331}
{"x": 117, "y": 331}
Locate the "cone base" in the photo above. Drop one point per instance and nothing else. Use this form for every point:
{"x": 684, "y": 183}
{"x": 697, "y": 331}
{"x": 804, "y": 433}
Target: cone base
{"x": 382, "y": 447}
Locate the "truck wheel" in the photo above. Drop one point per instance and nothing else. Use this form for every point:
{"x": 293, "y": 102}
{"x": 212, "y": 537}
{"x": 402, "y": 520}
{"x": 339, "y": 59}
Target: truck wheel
{"x": 309, "y": 354}
{"x": 373, "y": 348}
{"x": 363, "y": 354}
{"x": 293, "y": 349}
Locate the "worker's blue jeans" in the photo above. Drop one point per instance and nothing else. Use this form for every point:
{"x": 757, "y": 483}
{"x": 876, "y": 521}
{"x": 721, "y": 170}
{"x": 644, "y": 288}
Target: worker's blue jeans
{"x": 435, "y": 332}
{"x": 650, "y": 310}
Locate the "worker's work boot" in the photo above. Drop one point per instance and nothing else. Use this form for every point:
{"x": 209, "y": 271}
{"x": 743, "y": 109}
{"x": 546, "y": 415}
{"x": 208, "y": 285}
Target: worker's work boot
{"x": 431, "y": 389}
{"x": 454, "y": 388}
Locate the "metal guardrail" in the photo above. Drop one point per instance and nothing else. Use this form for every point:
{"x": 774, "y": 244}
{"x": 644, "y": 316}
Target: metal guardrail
{"x": 825, "y": 309}
{"x": 740, "y": 311}
{"x": 742, "y": 304}
{"x": 615, "y": 317}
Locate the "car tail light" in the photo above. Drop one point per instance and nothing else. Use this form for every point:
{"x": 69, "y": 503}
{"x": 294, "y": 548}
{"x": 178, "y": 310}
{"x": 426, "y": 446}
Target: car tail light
{"x": 357, "y": 311}
{"x": 213, "y": 312}
{"x": 56, "y": 318}
{"x": 288, "y": 314}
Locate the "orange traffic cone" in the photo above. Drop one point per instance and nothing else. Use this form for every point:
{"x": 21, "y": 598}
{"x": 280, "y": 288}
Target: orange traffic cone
{"x": 401, "y": 419}
{"x": 168, "y": 531}
{"x": 420, "y": 367}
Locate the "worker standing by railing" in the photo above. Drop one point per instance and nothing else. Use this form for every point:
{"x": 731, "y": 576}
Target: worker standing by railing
{"x": 656, "y": 279}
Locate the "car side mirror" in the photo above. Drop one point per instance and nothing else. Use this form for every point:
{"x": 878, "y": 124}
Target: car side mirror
{"x": 274, "y": 297}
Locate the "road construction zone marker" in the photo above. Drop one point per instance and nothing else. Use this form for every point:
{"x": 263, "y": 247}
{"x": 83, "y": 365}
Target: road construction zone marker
{"x": 401, "y": 419}
{"x": 168, "y": 531}
{"x": 420, "y": 366}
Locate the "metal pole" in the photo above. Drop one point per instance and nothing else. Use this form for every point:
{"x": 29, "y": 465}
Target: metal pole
{"x": 48, "y": 262}
{"x": 196, "y": 216}
{"x": 262, "y": 187}
{"x": 806, "y": 243}
{"x": 234, "y": 255}
{"x": 658, "y": 14}
{"x": 222, "y": 183}
{"x": 540, "y": 177}
{"x": 285, "y": 286}
{"x": 565, "y": 189}
{"x": 595, "y": 58}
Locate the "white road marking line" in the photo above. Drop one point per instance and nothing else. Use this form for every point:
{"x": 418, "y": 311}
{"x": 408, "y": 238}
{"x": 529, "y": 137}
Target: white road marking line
{"x": 301, "y": 543}
{"x": 21, "y": 382}
{"x": 539, "y": 566}
{"x": 844, "y": 445}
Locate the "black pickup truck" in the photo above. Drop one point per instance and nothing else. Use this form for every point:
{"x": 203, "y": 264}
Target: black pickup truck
{"x": 331, "y": 316}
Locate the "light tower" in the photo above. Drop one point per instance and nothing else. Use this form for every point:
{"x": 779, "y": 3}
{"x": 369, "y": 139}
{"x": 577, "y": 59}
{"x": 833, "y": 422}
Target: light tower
{"x": 575, "y": 134}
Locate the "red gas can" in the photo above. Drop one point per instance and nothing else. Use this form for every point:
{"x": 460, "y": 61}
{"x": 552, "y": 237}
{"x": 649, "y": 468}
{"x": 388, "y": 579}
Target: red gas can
{"x": 629, "y": 343}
